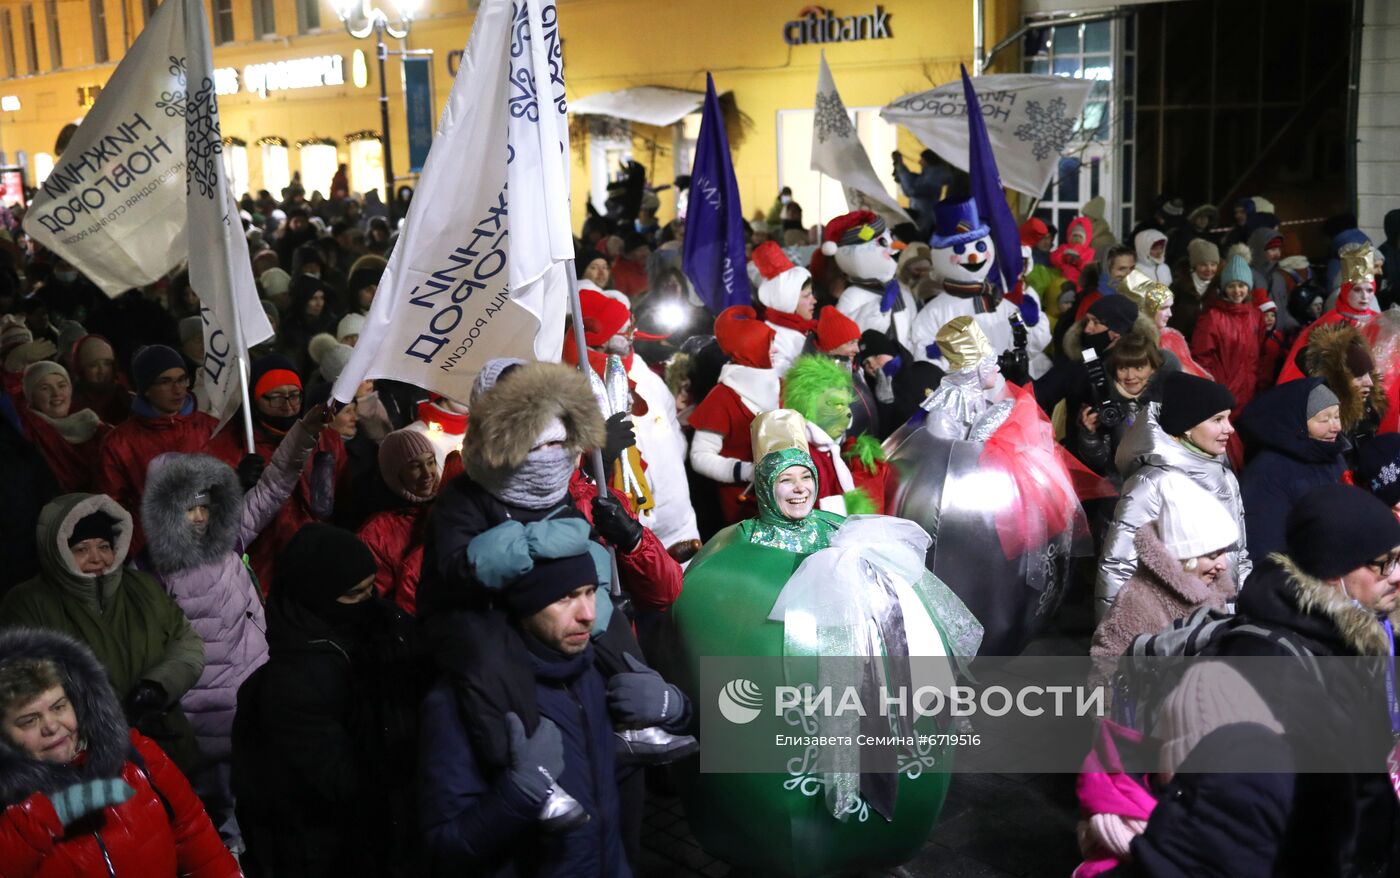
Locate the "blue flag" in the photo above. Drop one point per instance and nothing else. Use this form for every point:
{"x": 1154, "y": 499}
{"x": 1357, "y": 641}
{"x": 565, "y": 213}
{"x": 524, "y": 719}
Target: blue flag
{"x": 988, "y": 193}
{"x": 714, "y": 258}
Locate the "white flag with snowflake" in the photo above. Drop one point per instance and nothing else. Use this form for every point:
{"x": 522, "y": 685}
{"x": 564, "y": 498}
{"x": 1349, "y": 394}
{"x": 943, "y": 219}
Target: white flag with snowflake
{"x": 837, "y": 152}
{"x": 1031, "y": 121}
{"x": 221, "y": 273}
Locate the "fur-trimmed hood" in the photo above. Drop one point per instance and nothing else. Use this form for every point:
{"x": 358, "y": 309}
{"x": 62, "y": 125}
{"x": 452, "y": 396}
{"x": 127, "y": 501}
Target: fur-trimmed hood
{"x": 57, "y": 521}
{"x": 1326, "y": 357}
{"x": 172, "y": 480}
{"x": 506, "y": 420}
{"x": 1073, "y": 343}
{"x": 1167, "y": 571}
{"x": 1288, "y": 597}
{"x": 100, "y": 720}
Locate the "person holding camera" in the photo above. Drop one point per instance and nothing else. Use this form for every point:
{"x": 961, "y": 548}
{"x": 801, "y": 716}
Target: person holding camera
{"x": 1119, "y": 387}
{"x": 1108, "y": 319}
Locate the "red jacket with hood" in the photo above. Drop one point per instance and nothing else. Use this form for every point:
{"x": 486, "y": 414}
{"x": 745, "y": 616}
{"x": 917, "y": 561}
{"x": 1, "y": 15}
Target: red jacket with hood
{"x": 1226, "y": 342}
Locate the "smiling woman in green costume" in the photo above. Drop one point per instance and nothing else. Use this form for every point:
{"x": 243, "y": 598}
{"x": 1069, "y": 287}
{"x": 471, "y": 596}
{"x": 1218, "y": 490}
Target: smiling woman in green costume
{"x": 744, "y": 595}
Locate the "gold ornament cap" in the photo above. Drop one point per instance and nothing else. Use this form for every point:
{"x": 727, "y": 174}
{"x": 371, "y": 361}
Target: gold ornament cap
{"x": 1151, "y": 295}
{"x": 962, "y": 343}
{"x": 777, "y": 430}
{"x": 1358, "y": 263}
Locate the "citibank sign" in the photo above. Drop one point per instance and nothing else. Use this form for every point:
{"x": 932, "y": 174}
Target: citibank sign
{"x": 816, "y": 24}
{"x": 259, "y": 79}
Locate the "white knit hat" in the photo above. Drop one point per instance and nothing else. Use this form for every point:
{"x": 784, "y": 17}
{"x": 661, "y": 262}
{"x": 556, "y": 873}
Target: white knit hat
{"x": 334, "y": 361}
{"x": 1193, "y": 522}
{"x": 1210, "y": 695}
{"x": 350, "y": 324}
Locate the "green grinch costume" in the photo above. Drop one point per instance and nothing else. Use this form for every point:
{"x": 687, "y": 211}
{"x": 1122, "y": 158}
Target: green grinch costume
{"x": 802, "y": 589}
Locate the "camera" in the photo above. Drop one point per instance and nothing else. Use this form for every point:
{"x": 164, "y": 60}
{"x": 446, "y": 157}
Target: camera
{"x": 1015, "y": 363}
{"x": 1111, "y": 412}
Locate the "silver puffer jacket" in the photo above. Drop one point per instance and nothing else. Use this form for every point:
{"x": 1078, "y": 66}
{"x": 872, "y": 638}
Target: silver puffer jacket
{"x": 1145, "y": 455}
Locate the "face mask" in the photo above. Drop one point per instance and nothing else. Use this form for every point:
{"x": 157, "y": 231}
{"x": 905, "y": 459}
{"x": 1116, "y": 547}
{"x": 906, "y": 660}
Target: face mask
{"x": 1098, "y": 342}
{"x": 66, "y": 276}
{"x": 785, "y": 199}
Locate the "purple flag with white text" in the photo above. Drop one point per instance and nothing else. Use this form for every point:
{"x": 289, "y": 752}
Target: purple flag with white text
{"x": 714, "y": 258}
{"x": 989, "y": 194}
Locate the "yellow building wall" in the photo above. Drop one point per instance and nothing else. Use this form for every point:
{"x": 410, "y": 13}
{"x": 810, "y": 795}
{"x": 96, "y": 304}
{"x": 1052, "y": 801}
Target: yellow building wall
{"x": 608, "y": 45}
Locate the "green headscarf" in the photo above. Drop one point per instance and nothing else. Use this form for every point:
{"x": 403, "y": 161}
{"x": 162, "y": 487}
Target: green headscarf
{"x": 774, "y": 529}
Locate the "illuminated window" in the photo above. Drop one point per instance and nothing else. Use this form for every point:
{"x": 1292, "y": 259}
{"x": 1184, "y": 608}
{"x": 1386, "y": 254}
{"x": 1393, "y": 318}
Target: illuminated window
{"x": 819, "y": 196}
{"x": 318, "y": 164}
{"x": 236, "y": 166}
{"x": 43, "y": 166}
{"x": 367, "y": 166}
{"x": 276, "y": 170}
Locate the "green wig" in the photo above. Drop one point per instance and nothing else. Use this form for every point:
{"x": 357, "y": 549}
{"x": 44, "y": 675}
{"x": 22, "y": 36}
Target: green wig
{"x": 809, "y": 378}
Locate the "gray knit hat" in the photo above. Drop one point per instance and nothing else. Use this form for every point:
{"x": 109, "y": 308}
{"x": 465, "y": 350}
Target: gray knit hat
{"x": 1320, "y": 398}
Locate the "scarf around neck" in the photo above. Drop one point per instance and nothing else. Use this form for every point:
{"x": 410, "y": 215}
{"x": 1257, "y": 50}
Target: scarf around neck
{"x": 789, "y": 321}
{"x": 758, "y": 388}
{"x": 75, "y": 428}
{"x": 540, "y": 482}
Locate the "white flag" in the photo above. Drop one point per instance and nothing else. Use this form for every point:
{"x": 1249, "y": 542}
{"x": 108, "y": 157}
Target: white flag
{"x": 143, "y": 176}
{"x": 837, "y": 152}
{"x": 479, "y": 269}
{"x": 1030, "y": 120}
{"x": 221, "y": 273}
{"x": 114, "y": 204}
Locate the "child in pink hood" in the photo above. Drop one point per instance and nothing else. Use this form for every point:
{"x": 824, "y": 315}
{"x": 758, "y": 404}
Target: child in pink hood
{"x": 1071, "y": 257}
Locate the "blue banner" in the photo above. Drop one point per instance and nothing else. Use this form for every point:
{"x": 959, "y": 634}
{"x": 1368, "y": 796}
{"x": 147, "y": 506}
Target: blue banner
{"x": 418, "y": 108}
{"x": 987, "y": 191}
{"x": 714, "y": 258}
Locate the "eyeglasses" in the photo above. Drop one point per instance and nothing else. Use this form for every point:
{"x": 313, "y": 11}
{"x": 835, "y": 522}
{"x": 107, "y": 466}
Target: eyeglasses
{"x": 163, "y": 383}
{"x": 282, "y": 400}
{"x": 1386, "y": 566}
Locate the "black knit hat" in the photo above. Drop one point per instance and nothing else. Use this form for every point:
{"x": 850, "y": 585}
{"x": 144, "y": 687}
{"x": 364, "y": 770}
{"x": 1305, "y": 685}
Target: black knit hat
{"x": 1378, "y": 467}
{"x": 1334, "y": 529}
{"x": 548, "y": 581}
{"x": 873, "y": 343}
{"x": 150, "y": 361}
{"x": 1116, "y": 312}
{"x": 321, "y": 563}
{"x": 1188, "y": 400}
{"x": 95, "y": 526}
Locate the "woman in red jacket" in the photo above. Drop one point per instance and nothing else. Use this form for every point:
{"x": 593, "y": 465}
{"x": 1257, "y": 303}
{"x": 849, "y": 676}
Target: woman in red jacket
{"x": 408, "y": 465}
{"x": 69, "y": 439}
{"x": 82, "y": 794}
{"x": 1229, "y": 333}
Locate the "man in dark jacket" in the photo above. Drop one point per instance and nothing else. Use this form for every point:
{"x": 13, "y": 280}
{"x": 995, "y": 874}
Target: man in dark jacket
{"x": 1328, "y": 596}
{"x": 325, "y": 735}
{"x": 482, "y": 822}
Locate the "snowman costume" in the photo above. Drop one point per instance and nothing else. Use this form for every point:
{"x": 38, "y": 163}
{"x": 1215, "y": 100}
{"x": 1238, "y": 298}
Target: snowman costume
{"x": 963, "y": 254}
{"x": 781, "y": 292}
{"x": 874, "y": 300}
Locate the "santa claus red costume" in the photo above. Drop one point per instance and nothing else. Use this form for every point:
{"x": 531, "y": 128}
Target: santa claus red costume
{"x": 1356, "y": 304}
{"x": 788, "y": 303}
{"x": 608, "y": 330}
{"x": 874, "y": 300}
{"x": 722, "y": 449}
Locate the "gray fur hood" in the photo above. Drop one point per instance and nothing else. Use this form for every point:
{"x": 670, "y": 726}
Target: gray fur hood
{"x": 172, "y": 480}
{"x": 100, "y": 719}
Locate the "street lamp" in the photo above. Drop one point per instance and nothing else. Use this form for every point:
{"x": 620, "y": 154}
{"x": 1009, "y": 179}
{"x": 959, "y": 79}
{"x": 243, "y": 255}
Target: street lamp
{"x": 361, "y": 20}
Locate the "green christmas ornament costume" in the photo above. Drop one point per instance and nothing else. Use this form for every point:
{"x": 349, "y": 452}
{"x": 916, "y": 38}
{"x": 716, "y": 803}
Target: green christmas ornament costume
{"x": 799, "y": 590}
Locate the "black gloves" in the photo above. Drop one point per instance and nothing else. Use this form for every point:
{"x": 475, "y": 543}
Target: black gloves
{"x": 536, "y": 762}
{"x": 613, "y": 523}
{"x": 323, "y": 485}
{"x": 621, "y": 436}
{"x": 250, "y": 469}
{"x": 641, "y": 698}
{"x": 146, "y": 699}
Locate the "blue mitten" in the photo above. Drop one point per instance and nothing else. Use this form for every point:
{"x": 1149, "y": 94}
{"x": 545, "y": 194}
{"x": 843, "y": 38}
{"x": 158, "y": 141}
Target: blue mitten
{"x": 1030, "y": 311}
{"x": 81, "y": 799}
{"x": 933, "y": 351}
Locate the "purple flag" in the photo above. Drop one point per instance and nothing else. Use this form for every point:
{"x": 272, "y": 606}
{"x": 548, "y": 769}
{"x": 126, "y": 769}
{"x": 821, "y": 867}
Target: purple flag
{"x": 714, "y": 257}
{"x": 987, "y": 191}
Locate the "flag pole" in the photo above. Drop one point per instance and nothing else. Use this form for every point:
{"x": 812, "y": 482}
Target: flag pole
{"x": 581, "y": 350}
{"x": 241, "y": 357}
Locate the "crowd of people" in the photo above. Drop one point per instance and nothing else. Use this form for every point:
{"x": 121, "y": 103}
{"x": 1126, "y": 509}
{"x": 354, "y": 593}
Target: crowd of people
{"x": 414, "y": 635}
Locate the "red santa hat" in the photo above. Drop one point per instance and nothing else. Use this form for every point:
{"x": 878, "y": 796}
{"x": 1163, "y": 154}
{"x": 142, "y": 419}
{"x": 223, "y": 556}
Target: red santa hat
{"x": 604, "y": 316}
{"x": 782, "y": 285}
{"x": 835, "y": 329}
{"x": 747, "y": 340}
{"x": 850, "y": 230}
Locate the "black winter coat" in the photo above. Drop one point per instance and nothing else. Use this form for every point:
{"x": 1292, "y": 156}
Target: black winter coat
{"x": 476, "y": 822}
{"x": 324, "y": 747}
{"x": 1285, "y": 824}
{"x": 1288, "y": 464}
